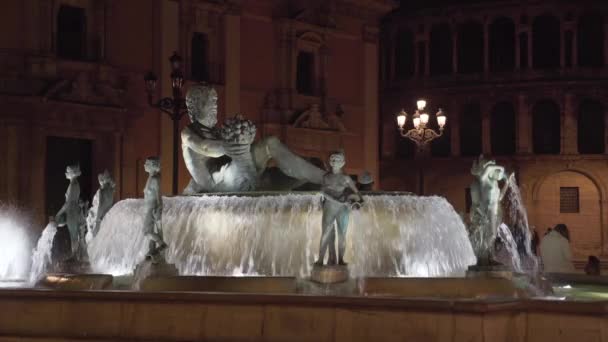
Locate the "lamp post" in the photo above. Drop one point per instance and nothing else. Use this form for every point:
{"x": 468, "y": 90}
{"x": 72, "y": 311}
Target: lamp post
{"x": 420, "y": 134}
{"x": 174, "y": 106}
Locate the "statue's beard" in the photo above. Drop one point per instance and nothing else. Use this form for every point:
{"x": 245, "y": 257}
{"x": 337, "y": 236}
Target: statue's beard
{"x": 206, "y": 120}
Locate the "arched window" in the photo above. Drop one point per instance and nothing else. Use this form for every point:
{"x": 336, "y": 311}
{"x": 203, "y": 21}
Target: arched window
{"x": 404, "y": 55}
{"x": 470, "y": 130}
{"x": 305, "y": 73}
{"x": 502, "y": 44}
{"x": 441, "y": 50}
{"x": 71, "y": 32}
{"x": 546, "y": 42}
{"x": 590, "y": 39}
{"x": 591, "y": 127}
{"x": 546, "y": 127}
{"x": 199, "y": 63}
{"x": 470, "y": 47}
{"x": 502, "y": 129}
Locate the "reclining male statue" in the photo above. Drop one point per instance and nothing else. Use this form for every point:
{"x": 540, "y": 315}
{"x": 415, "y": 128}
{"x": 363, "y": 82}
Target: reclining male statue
{"x": 227, "y": 160}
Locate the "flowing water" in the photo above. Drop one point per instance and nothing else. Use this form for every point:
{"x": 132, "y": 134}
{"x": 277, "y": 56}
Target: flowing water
{"x": 521, "y": 234}
{"x": 15, "y": 244}
{"x": 392, "y": 235}
{"x": 41, "y": 256}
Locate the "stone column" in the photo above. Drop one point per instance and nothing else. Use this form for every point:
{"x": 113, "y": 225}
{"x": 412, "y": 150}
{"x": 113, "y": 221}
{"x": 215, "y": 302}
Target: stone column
{"x": 232, "y": 43}
{"x": 36, "y": 173}
{"x": 524, "y": 126}
{"x": 562, "y": 46}
{"x": 390, "y": 68}
{"x": 169, "y": 42}
{"x": 569, "y": 126}
{"x": 427, "y": 57}
{"x": 486, "y": 142}
{"x": 12, "y": 158}
{"x": 605, "y": 42}
{"x": 517, "y": 51}
{"x": 454, "y": 127}
{"x": 285, "y": 60}
{"x": 606, "y": 133}
{"x": 486, "y": 47}
{"x": 454, "y": 51}
{"x": 417, "y": 58}
{"x": 370, "y": 100}
{"x": 117, "y": 172}
{"x": 575, "y": 47}
{"x": 530, "y": 54}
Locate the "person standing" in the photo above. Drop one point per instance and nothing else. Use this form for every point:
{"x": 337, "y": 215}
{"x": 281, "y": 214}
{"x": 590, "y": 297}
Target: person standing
{"x": 555, "y": 250}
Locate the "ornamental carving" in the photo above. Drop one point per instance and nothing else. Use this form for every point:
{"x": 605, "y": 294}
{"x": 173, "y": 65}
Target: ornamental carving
{"x": 314, "y": 119}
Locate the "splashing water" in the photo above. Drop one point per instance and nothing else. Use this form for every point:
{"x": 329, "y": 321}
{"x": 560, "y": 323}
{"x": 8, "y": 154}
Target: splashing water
{"x": 520, "y": 232}
{"x": 41, "y": 256}
{"x": 392, "y": 235}
{"x": 15, "y": 245}
{"x": 508, "y": 253}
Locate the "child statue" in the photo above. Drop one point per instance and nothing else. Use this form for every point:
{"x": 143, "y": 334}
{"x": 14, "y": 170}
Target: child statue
{"x": 71, "y": 215}
{"x": 340, "y": 196}
{"x": 102, "y": 202}
{"x": 153, "y": 207}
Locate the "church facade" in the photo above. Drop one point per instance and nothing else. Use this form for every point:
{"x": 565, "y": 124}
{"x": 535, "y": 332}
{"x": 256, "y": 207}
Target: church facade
{"x": 72, "y": 88}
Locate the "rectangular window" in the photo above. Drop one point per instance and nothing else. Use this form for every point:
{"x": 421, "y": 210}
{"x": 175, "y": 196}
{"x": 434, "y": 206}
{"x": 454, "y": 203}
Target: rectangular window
{"x": 199, "y": 50}
{"x": 568, "y": 200}
{"x": 305, "y": 73}
{"x": 467, "y": 199}
{"x": 71, "y": 33}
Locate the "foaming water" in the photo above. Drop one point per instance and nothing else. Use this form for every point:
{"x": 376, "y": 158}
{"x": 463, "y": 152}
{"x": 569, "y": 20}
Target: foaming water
{"x": 520, "y": 232}
{"x": 392, "y": 235}
{"x": 41, "y": 256}
{"x": 15, "y": 245}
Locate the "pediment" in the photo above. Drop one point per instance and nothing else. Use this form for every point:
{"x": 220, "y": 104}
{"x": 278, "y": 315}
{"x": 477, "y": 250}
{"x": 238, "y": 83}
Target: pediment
{"x": 85, "y": 91}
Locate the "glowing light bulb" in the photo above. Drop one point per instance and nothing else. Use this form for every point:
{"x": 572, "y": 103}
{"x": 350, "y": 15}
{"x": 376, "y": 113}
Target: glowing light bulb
{"x": 416, "y": 122}
{"x": 424, "y": 118}
{"x": 421, "y": 104}
{"x": 441, "y": 118}
{"x": 401, "y": 118}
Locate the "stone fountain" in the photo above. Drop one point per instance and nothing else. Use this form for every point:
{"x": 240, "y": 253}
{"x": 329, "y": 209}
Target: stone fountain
{"x": 232, "y": 221}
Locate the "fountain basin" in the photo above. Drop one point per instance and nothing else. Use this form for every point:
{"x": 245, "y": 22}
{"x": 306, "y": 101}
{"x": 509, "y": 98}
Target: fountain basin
{"x": 32, "y": 315}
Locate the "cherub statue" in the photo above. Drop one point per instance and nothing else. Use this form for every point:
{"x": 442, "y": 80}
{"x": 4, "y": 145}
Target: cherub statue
{"x": 340, "y": 196}
{"x": 70, "y": 214}
{"x": 153, "y": 207}
{"x": 486, "y": 196}
{"x": 216, "y": 157}
{"x": 102, "y": 202}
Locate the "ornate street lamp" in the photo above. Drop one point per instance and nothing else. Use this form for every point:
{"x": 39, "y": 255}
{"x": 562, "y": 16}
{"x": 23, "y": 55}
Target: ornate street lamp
{"x": 174, "y": 106}
{"x": 420, "y": 134}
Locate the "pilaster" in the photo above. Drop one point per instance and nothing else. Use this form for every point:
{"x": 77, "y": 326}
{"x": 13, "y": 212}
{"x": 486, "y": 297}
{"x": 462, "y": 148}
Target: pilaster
{"x": 370, "y": 100}
{"x": 524, "y": 126}
{"x": 570, "y": 126}
{"x": 232, "y": 63}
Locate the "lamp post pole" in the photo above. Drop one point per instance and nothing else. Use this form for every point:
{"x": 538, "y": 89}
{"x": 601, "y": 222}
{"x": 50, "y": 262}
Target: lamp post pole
{"x": 420, "y": 134}
{"x": 174, "y": 106}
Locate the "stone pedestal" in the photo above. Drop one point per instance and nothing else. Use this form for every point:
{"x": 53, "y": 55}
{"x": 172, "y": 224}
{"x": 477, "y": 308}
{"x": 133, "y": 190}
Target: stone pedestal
{"x": 72, "y": 266}
{"x": 491, "y": 271}
{"x": 329, "y": 274}
{"x": 149, "y": 268}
